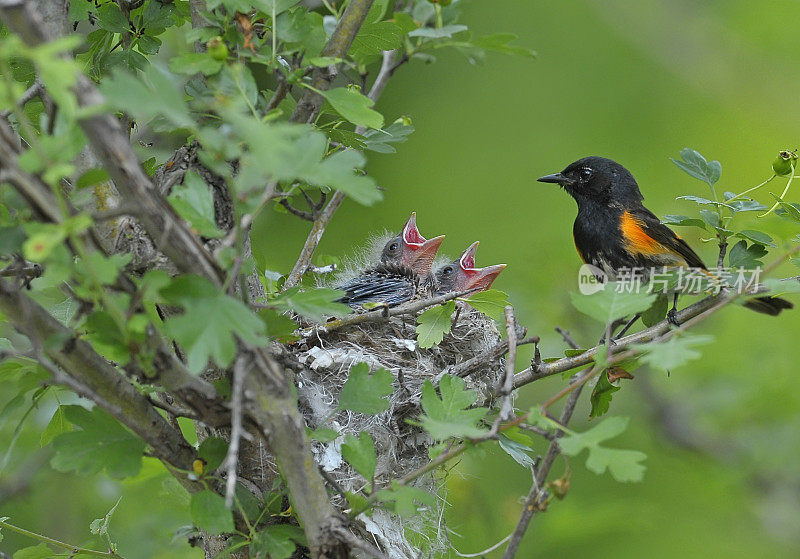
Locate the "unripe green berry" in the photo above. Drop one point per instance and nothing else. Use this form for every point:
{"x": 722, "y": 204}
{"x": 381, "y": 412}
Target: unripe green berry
{"x": 784, "y": 163}
{"x": 217, "y": 48}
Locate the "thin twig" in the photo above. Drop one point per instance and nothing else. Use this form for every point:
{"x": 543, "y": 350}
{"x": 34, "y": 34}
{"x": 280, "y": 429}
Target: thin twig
{"x": 474, "y": 363}
{"x": 506, "y": 407}
{"x": 74, "y": 549}
{"x": 532, "y": 502}
{"x": 375, "y": 316}
{"x": 232, "y": 457}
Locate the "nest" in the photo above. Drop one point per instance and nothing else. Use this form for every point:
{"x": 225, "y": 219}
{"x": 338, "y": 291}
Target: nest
{"x": 401, "y": 448}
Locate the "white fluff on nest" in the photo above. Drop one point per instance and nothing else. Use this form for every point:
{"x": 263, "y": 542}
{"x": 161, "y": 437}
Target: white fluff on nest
{"x": 401, "y": 448}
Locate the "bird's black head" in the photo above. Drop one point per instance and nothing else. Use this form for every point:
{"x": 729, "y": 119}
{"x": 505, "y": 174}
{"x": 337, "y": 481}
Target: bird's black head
{"x": 599, "y": 180}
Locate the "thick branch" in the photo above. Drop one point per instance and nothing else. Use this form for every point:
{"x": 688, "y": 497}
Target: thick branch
{"x": 337, "y": 47}
{"x": 95, "y": 377}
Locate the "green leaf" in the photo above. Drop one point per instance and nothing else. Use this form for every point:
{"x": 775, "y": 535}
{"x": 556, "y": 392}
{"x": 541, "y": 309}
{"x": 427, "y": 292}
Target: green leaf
{"x": 147, "y": 95}
{"x": 41, "y": 551}
{"x": 202, "y": 337}
{"x": 491, "y": 302}
{"x": 213, "y": 451}
{"x": 500, "y": 42}
{"x": 608, "y": 305}
{"x": 447, "y": 417}
{"x": 110, "y": 18}
{"x": 757, "y": 237}
{"x": 403, "y": 499}
{"x": 438, "y": 32}
{"x": 191, "y": 63}
{"x": 684, "y": 221}
{"x": 365, "y": 393}
{"x": 624, "y": 465}
{"x": 657, "y": 311}
{"x": 742, "y": 256}
{"x": 360, "y": 453}
{"x": 323, "y": 434}
{"x": 58, "y": 424}
{"x": 517, "y": 450}
{"x": 674, "y": 352}
{"x": 696, "y": 166}
{"x": 434, "y": 323}
{"x": 374, "y": 38}
{"x": 354, "y": 106}
{"x": 194, "y": 202}
{"x": 209, "y": 513}
{"x": 277, "y": 541}
{"x": 315, "y": 304}
{"x": 100, "y": 443}
{"x": 602, "y": 395}
{"x": 379, "y": 140}
{"x": 704, "y": 201}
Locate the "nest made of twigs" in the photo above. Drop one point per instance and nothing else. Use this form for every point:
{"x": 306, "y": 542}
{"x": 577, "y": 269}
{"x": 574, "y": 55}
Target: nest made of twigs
{"x": 401, "y": 447}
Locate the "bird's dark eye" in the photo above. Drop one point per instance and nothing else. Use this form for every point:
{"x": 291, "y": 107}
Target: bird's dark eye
{"x": 448, "y": 270}
{"x": 586, "y": 172}
{"x": 393, "y": 247}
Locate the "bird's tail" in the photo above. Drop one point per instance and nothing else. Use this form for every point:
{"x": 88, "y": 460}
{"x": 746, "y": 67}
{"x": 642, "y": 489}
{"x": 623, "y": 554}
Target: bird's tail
{"x": 768, "y": 305}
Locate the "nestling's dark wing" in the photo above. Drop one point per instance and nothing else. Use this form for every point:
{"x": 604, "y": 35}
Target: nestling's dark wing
{"x": 646, "y": 235}
{"x": 383, "y": 284}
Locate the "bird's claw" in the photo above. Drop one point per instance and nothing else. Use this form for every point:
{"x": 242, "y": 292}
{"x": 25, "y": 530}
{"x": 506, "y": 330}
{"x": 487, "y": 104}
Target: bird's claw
{"x": 672, "y": 317}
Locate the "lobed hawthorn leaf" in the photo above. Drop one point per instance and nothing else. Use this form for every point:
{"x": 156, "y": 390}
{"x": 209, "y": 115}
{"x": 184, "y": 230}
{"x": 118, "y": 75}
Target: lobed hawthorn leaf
{"x": 213, "y": 450}
{"x": 379, "y": 140}
{"x": 194, "y": 202}
{"x": 757, "y": 237}
{"x": 491, "y": 302}
{"x": 209, "y": 513}
{"x": 315, "y": 304}
{"x": 747, "y": 257}
{"x": 100, "y": 443}
{"x": 204, "y": 338}
{"x": 516, "y": 450}
{"x": 365, "y": 393}
{"x": 447, "y": 417}
{"x": 684, "y": 221}
{"x": 191, "y": 63}
{"x": 374, "y": 38}
{"x": 602, "y": 394}
{"x": 501, "y": 42}
{"x": 403, "y": 499}
{"x": 281, "y": 151}
{"x": 443, "y": 32}
{"x": 354, "y": 106}
{"x": 695, "y": 165}
{"x": 608, "y": 305}
{"x": 147, "y": 95}
{"x": 277, "y": 541}
{"x": 676, "y": 351}
{"x": 434, "y": 323}
{"x": 624, "y": 465}
{"x": 360, "y": 453}
{"x": 57, "y": 425}
{"x": 110, "y": 18}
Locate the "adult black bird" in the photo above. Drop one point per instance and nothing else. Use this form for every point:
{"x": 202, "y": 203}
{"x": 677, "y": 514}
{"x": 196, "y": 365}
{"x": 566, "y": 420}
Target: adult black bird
{"x": 405, "y": 266}
{"x": 614, "y": 231}
{"x": 462, "y": 275}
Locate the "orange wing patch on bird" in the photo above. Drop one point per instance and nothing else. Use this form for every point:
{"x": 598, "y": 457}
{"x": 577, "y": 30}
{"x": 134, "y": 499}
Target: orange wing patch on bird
{"x": 638, "y": 241}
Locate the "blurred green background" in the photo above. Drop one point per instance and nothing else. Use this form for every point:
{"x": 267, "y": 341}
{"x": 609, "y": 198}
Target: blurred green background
{"x": 635, "y": 82}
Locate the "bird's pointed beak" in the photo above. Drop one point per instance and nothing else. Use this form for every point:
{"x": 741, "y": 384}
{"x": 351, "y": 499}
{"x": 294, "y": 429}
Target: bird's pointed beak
{"x": 476, "y": 278}
{"x": 556, "y": 178}
{"x": 419, "y": 252}
{"x": 483, "y": 278}
{"x": 467, "y": 260}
